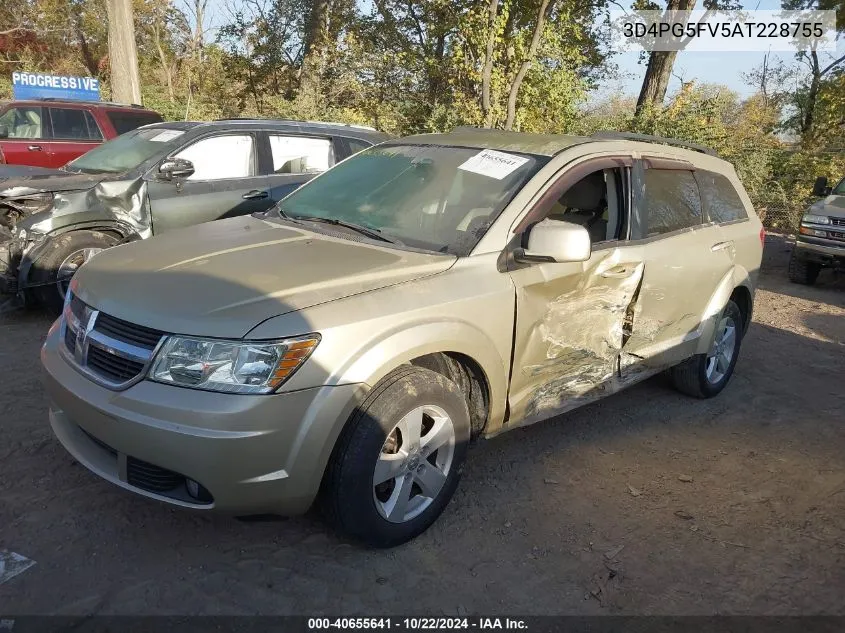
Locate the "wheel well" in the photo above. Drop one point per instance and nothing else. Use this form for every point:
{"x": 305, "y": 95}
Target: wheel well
{"x": 742, "y": 297}
{"x": 467, "y": 374}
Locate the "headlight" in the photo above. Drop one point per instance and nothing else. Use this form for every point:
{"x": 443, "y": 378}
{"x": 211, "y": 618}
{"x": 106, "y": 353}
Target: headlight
{"x": 230, "y": 366}
{"x": 810, "y": 218}
{"x": 33, "y": 203}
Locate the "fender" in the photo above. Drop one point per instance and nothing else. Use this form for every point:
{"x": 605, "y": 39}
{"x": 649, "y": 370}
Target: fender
{"x": 399, "y": 347}
{"x": 736, "y": 277}
{"x": 124, "y": 229}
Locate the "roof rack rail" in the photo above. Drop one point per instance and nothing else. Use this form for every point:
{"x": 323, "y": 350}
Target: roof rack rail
{"x": 270, "y": 120}
{"x": 97, "y": 102}
{"x": 648, "y": 138}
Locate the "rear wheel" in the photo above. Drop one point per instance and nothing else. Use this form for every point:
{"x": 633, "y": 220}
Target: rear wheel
{"x": 705, "y": 375}
{"x": 398, "y": 461}
{"x": 803, "y": 272}
{"x": 64, "y": 254}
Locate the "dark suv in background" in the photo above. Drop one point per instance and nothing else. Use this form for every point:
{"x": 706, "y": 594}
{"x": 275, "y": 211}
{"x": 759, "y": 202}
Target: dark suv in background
{"x": 151, "y": 180}
{"x": 49, "y": 133}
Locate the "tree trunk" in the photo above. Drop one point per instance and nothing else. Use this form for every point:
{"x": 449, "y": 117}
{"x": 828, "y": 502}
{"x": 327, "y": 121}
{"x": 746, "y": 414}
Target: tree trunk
{"x": 487, "y": 72}
{"x": 545, "y": 9}
{"x": 165, "y": 67}
{"x": 660, "y": 64}
{"x": 87, "y": 56}
{"x": 316, "y": 31}
{"x": 123, "y": 56}
{"x": 812, "y": 95}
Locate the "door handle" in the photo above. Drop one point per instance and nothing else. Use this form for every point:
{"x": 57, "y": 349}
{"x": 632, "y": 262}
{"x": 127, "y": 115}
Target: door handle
{"x": 719, "y": 246}
{"x": 255, "y": 194}
{"x": 34, "y": 148}
{"x": 619, "y": 272}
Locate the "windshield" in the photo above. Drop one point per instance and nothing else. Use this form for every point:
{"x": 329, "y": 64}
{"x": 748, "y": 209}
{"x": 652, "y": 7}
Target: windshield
{"x": 429, "y": 197}
{"x": 839, "y": 190}
{"x": 126, "y": 151}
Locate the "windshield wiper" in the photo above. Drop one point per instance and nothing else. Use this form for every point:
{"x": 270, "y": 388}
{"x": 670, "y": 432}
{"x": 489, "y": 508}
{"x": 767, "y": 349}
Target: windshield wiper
{"x": 373, "y": 233}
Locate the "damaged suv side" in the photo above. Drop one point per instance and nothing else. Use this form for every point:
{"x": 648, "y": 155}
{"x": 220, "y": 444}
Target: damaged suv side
{"x": 345, "y": 346}
{"x": 152, "y": 180}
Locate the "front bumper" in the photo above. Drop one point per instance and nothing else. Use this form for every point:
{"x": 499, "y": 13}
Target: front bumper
{"x": 252, "y": 453}
{"x": 818, "y": 250}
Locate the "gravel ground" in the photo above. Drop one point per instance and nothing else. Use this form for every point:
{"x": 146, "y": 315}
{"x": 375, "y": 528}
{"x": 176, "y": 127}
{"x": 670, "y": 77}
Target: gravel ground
{"x": 648, "y": 502}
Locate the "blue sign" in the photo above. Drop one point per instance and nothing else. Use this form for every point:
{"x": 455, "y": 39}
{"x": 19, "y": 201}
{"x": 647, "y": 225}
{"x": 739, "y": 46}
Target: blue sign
{"x": 38, "y": 86}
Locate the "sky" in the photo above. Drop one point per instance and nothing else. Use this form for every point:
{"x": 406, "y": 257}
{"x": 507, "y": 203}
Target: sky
{"x": 726, "y": 68}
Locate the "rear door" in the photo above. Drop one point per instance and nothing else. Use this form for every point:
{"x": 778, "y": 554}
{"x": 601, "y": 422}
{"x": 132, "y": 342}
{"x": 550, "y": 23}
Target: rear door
{"x": 73, "y": 132}
{"x": 27, "y": 139}
{"x": 685, "y": 259}
{"x": 293, "y": 160}
{"x": 225, "y": 183}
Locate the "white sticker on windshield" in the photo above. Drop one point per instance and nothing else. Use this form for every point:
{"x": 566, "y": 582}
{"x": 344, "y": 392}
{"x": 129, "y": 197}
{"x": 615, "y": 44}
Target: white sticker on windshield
{"x": 167, "y": 135}
{"x": 494, "y": 164}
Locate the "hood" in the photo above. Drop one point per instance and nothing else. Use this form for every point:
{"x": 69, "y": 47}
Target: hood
{"x": 19, "y": 171}
{"x": 17, "y": 184}
{"x": 830, "y": 206}
{"x": 223, "y": 278}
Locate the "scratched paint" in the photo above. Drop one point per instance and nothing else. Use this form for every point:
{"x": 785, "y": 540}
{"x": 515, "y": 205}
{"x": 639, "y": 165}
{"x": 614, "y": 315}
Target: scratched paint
{"x": 12, "y": 564}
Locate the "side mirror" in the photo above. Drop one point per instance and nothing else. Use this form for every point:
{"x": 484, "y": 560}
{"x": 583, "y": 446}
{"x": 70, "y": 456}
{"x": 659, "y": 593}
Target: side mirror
{"x": 4, "y": 131}
{"x": 175, "y": 168}
{"x": 556, "y": 241}
{"x": 820, "y": 188}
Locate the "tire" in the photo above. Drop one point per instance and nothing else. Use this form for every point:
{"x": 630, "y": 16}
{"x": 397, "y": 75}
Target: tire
{"x": 44, "y": 286}
{"x": 696, "y": 376}
{"x": 803, "y": 272}
{"x": 352, "y": 502}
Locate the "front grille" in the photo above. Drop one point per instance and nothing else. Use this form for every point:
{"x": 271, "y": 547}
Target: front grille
{"x": 70, "y": 339}
{"x": 151, "y": 478}
{"x": 837, "y": 235}
{"x": 837, "y": 221}
{"x": 127, "y": 332}
{"x": 115, "y": 350}
{"x": 112, "y": 367}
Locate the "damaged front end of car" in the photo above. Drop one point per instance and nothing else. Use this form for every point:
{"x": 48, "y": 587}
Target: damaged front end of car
{"x": 30, "y": 219}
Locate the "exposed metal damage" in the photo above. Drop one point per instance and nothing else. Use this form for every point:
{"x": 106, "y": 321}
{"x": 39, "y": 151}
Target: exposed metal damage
{"x": 30, "y": 214}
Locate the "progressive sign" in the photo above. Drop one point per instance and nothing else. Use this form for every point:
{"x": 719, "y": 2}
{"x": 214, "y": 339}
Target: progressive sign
{"x": 39, "y": 86}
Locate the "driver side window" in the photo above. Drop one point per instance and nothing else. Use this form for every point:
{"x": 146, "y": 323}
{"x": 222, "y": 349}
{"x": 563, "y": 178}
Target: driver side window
{"x": 596, "y": 202}
{"x": 221, "y": 157}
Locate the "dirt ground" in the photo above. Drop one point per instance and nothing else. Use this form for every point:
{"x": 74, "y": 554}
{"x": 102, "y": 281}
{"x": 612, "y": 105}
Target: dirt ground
{"x": 648, "y": 502}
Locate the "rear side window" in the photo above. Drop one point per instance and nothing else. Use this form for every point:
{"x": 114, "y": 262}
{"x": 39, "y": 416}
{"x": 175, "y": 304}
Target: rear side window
{"x": 127, "y": 121}
{"x": 73, "y": 125}
{"x": 300, "y": 154}
{"x": 671, "y": 201}
{"x": 721, "y": 201}
{"x": 356, "y": 146}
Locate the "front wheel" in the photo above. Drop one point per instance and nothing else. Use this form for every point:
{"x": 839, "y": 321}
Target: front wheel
{"x": 705, "y": 375}
{"x": 803, "y": 272}
{"x": 62, "y": 256}
{"x": 398, "y": 461}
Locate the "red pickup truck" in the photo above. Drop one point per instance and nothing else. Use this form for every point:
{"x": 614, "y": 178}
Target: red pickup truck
{"x": 51, "y": 132}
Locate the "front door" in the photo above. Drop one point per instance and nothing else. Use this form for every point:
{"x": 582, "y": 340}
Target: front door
{"x": 573, "y": 319}
{"x": 25, "y": 139}
{"x": 225, "y": 183}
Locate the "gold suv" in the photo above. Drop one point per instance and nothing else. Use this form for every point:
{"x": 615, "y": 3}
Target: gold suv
{"x": 347, "y": 345}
